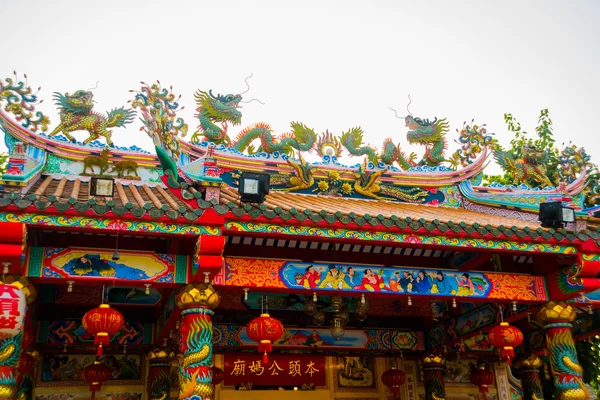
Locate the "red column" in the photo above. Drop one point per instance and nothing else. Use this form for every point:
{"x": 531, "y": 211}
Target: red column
{"x": 566, "y": 371}
{"x": 195, "y": 376}
{"x": 433, "y": 377}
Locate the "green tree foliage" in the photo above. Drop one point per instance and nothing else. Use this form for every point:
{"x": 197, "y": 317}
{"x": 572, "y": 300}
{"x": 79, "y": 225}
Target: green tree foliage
{"x": 3, "y": 162}
{"x": 545, "y": 140}
{"x": 588, "y": 354}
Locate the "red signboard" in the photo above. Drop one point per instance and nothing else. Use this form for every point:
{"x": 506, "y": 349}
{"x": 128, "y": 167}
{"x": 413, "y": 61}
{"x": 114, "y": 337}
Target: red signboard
{"x": 281, "y": 370}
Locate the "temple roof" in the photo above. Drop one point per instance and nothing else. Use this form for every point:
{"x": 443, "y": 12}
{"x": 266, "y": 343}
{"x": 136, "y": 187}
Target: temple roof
{"x": 64, "y": 193}
{"x": 402, "y": 215}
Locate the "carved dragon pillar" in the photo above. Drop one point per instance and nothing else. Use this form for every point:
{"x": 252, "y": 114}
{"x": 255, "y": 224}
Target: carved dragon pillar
{"x": 530, "y": 378}
{"x": 433, "y": 377}
{"x": 195, "y": 376}
{"x": 159, "y": 371}
{"x": 567, "y": 373}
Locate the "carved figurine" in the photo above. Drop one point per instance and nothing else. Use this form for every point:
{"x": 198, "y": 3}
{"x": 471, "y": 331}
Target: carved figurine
{"x": 124, "y": 167}
{"x": 431, "y": 134}
{"x": 76, "y": 114}
{"x": 531, "y": 166}
{"x": 224, "y": 109}
{"x": 101, "y": 162}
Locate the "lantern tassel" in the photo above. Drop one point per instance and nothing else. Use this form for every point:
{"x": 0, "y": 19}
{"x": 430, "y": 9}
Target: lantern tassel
{"x": 99, "y": 352}
{"x": 265, "y": 358}
{"x": 265, "y": 345}
{"x": 483, "y": 388}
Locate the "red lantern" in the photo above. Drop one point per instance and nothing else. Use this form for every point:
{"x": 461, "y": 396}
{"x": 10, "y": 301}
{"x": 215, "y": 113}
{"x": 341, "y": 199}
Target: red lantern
{"x": 393, "y": 378}
{"x": 483, "y": 378}
{"x": 506, "y": 338}
{"x": 217, "y": 375}
{"x": 102, "y": 322}
{"x": 96, "y": 374}
{"x": 264, "y": 330}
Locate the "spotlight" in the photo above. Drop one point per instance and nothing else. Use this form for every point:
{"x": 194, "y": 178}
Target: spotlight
{"x": 253, "y": 187}
{"x": 147, "y": 291}
{"x": 555, "y": 215}
{"x": 70, "y": 286}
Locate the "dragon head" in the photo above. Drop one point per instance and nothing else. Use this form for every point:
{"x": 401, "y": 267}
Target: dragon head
{"x": 533, "y": 154}
{"x": 423, "y": 131}
{"x": 80, "y": 102}
{"x": 220, "y": 108}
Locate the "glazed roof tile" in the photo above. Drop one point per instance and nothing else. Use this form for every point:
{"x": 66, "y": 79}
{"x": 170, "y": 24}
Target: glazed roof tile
{"x": 403, "y": 215}
{"x": 64, "y": 193}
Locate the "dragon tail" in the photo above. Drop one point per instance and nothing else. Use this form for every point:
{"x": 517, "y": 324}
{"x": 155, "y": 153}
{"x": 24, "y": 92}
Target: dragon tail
{"x": 352, "y": 140}
{"x": 304, "y": 138}
{"x": 120, "y": 117}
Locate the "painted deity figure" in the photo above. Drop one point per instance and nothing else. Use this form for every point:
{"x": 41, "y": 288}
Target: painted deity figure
{"x": 311, "y": 277}
{"x": 465, "y": 285}
{"x": 334, "y": 279}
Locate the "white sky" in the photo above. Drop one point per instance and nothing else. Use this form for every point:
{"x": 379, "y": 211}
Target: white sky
{"x": 330, "y": 65}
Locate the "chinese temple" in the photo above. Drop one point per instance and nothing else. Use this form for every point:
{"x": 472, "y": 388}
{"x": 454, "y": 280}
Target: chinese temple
{"x": 235, "y": 262}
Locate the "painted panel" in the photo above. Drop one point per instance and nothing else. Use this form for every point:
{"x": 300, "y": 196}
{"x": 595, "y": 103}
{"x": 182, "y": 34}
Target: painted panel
{"x": 229, "y": 335}
{"x": 110, "y": 224}
{"x": 95, "y": 263}
{"x": 71, "y": 332}
{"x": 370, "y": 279}
{"x": 60, "y": 369}
{"x": 86, "y": 396}
{"x": 281, "y": 370}
{"x": 355, "y": 374}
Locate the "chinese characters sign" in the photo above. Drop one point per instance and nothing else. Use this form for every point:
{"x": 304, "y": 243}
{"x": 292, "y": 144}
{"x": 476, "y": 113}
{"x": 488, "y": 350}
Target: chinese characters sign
{"x": 288, "y": 370}
{"x": 12, "y": 310}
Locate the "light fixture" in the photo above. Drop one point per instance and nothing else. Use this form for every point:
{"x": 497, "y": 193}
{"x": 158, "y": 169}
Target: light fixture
{"x": 590, "y": 310}
{"x": 115, "y": 256}
{"x": 514, "y": 305}
{"x": 315, "y": 298}
{"x": 409, "y": 301}
{"x": 70, "y": 286}
{"x": 147, "y": 291}
{"x": 362, "y": 299}
{"x": 6, "y": 269}
{"x": 124, "y": 349}
{"x": 253, "y": 187}
{"x": 555, "y": 215}
{"x": 206, "y": 277}
{"x": 454, "y": 305}
{"x": 102, "y": 187}
{"x": 529, "y": 317}
{"x": 65, "y": 348}
{"x": 246, "y": 294}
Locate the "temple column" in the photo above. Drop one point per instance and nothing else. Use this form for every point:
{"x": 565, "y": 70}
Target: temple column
{"x": 159, "y": 375}
{"x": 195, "y": 376}
{"x": 566, "y": 371}
{"x": 433, "y": 377}
{"x": 15, "y": 294}
{"x": 529, "y": 370}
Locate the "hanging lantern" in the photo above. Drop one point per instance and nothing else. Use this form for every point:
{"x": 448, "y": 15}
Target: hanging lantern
{"x": 96, "y": 374}
{"x": 505, "y": 338}
{"x": 264, "y": 330}
{"x": 482, "y": 377}
{"x": 13, "y": 304}
{"x": 102, "y": 322}
{"x": 393, "y": 378}
{"x": 337, "y": 328}
{"x": 217, "y": 375}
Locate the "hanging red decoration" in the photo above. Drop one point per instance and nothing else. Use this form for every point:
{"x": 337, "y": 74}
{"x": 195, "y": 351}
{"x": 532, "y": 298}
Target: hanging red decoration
{"x": 96, "y": 374}
{"x": 102, "y": 322}
{"x": 217, "y": 375}
{"x": 393, "y": 378}
{"x": 505, "y": 338}
{"x": 265, "y": 330}
{"x": 27, "y": 362}
{"x": 483, "y": 378}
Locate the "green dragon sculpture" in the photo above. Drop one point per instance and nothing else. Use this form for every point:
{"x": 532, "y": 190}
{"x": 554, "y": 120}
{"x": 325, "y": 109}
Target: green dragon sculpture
{"x": 532, "y": 166}
{"x": 215, "y": 113}
{"x": 21, "y": 102}
{"x": 77, "y": 114}
{"x": 431, "y": 134}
